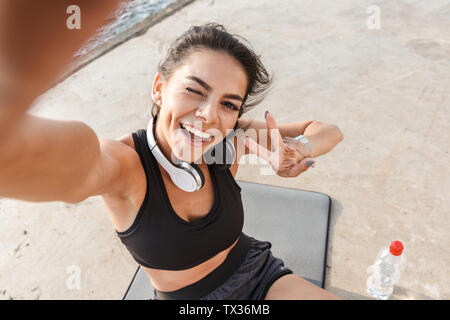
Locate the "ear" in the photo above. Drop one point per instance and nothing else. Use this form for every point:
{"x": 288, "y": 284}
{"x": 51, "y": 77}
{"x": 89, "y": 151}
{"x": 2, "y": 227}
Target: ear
{"x": 157, "y": 88}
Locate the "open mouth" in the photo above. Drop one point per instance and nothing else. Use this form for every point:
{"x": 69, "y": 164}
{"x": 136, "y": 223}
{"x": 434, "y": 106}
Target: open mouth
{"x": 195, "y": 135}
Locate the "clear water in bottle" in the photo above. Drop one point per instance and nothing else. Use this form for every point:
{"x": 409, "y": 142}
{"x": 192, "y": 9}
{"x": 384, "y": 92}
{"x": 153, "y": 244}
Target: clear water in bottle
{"x": 386, "y": 271}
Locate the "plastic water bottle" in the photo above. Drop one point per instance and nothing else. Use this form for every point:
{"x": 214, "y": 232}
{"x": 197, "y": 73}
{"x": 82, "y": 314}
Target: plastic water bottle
{"x": 386, "y": 271}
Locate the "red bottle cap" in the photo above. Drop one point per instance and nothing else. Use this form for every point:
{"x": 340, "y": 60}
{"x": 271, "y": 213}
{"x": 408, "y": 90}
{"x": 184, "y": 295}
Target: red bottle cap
{"x": 396, "y": 248}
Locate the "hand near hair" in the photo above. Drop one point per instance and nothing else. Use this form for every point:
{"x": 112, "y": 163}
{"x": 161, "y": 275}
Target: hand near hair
{"x": 288, "y": 157}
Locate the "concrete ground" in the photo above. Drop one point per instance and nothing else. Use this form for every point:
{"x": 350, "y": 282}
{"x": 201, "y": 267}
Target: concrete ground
{"x": 387, "y": 89}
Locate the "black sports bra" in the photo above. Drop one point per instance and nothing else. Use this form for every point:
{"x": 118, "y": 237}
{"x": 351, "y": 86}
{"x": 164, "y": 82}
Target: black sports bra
{"x": 160, "y": 239}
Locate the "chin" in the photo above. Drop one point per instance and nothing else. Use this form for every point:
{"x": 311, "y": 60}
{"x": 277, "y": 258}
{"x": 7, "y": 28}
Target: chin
{"x": 184, "y": 148}
{"x": 183, "y": 152}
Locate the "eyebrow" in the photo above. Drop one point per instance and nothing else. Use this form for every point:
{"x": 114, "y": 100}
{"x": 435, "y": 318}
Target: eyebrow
{"x": 208, "y": 88}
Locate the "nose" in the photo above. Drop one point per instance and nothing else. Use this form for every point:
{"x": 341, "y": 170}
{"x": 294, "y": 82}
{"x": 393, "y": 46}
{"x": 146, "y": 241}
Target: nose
{"x": 208, "y": 111}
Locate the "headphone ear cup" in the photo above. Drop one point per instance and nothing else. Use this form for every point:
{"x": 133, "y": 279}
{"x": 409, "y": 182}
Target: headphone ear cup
{"x": 194, "y": 171}
{"x": 230, "y": 154}
{"x": 225, "y": 156}
{"x": 200, "y": 173}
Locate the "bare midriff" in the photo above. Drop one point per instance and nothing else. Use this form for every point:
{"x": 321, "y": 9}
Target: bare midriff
{"x": 171, "y": 280}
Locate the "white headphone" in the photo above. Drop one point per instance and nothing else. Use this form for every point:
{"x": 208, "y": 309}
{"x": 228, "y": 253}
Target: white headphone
{"x": 186, "y": 176}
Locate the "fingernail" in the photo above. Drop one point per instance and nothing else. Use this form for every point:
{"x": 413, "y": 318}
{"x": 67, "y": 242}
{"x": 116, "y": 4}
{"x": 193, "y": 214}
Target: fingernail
{"x": 310, "y": 163}
{"x": 265, "y": 114}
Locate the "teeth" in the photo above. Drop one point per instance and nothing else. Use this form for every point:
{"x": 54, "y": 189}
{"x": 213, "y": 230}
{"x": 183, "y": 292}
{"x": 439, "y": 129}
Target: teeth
{"x": 198, "y": 133}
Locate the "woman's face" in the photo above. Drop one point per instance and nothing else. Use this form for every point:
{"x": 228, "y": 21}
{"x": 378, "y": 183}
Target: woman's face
{"x": 205, "y": 93}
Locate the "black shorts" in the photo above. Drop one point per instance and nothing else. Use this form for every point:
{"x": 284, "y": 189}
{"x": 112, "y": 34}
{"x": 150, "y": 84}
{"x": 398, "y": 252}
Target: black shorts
{"x": 246, "y": 274}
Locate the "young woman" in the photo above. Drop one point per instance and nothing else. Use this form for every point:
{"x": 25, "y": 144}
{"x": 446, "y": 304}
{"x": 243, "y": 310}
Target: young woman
{"x": 190, "y": 244}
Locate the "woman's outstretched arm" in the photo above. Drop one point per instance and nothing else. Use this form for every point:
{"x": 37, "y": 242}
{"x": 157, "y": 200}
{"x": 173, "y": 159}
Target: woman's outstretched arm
{"x": 47, "y": 160}
{"x": 53, "y": 160}
{"x": 43, "y": 159}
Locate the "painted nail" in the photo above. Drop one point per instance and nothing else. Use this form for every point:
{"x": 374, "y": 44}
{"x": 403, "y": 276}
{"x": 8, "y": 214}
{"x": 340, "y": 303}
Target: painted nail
{"x": 265, "y": 114}
{"x": 310, "y": 163}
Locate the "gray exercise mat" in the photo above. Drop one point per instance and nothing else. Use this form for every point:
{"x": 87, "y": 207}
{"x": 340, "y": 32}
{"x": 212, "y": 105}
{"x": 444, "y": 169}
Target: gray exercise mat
{"x": 294, "y": 221}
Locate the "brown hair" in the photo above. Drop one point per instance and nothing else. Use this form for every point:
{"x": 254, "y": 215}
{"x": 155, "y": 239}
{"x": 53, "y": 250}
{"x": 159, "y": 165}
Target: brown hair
{"x": 214, "y": 36}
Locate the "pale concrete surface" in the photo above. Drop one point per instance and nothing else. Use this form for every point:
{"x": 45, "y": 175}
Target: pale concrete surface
{"x": 386, "y": 89}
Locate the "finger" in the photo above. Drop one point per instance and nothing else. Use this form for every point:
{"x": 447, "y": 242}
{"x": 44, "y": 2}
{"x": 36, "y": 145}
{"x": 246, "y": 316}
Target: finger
{"x": 294, "y": 153}
{"x": 276, "y": 140}
{"x": 301, "y": 166}
{"x": 257, "y": 149}
{"x": 297, "y": 145}
{"x": 288, "y": 147}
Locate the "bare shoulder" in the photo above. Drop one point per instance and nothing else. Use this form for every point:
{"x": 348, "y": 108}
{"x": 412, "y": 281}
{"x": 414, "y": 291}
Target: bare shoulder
{"x": 118, "y": 168}
{"x": 128, "y": 140}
